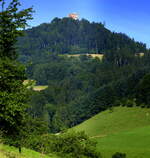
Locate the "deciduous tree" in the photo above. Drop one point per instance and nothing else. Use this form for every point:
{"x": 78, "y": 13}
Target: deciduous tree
{"x": 13, "y": 94}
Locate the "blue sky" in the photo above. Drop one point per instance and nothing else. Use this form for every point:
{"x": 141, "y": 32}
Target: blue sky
{"x": 128, "y": 16}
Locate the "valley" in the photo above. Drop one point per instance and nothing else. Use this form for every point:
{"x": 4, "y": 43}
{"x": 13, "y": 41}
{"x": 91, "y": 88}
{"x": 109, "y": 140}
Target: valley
{"x": 71, "y": 87}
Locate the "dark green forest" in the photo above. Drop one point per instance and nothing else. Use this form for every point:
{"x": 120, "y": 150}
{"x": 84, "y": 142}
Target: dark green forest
{"x": 80, "y": 87}
{"x": 69, "y": 36}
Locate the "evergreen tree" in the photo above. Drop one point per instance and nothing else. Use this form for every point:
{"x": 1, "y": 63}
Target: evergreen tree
{"x": 143, "y": 91}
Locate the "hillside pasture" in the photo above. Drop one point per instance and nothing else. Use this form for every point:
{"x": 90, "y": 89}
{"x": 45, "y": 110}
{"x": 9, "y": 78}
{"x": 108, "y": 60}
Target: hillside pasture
{"x": 135, "y": 143}
{"x": 116, "y": 120}
{"x": 39, "y": 88}
{"x": 100, "y": 56}
{"x": 122, "y": 129}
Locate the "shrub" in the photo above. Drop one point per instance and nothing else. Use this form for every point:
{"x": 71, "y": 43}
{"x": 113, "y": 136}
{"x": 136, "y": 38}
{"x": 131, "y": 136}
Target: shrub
{"x": 67, "y": 144}
{"x": 119, "y": 155}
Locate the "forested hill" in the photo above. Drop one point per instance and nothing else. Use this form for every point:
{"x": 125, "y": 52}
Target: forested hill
{"x": 78, "y": 88}
{"x": 69, "y": 36}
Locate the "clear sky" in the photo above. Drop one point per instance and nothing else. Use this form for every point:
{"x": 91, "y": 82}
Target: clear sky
{"x": 128, "y": 16}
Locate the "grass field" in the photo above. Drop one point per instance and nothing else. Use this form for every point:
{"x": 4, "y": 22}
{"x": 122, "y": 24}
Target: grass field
{"x": 124, "y": 130}
{"x": 135, "y": 143}
{"x": 12, "y": 152}
{"x": 100, "y": 56}
{"x": 39, "y": 88}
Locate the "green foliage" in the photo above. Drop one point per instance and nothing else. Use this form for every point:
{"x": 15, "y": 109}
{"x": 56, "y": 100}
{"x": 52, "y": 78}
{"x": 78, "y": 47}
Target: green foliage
{"x": 79, "y": 88}
{"x": 127, "y": 102}
{"x": 12, "y": 74}
{"x": 13, "y": 97}
{"x": 119, "y": 155}
{"x": 68, "y": 36}
{"x": 143, "y": 91}
{"x": 11, "y": 22}
{"x": 71, "y": 145}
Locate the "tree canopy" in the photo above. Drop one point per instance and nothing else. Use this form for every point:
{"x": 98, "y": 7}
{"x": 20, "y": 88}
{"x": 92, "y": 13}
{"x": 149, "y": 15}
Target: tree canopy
{"x": 13, "y": 95}
{"x": 69, "y": 36}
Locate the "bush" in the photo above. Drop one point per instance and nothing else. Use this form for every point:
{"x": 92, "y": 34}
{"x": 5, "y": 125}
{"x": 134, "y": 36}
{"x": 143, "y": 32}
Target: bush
{"x": 119, "y": 155}
{"x": 67, "y": 144}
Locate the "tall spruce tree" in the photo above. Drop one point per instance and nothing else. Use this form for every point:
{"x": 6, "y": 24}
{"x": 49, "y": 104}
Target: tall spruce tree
{"x": 13, "y": 94}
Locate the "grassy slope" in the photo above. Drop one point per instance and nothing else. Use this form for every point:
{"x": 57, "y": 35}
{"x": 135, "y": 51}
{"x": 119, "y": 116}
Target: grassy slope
{"x": 123, "y": 130}
{"x": 120, "y": 119}
{"x": 7, "y": 152}
{"x": 100, "y": 56}
{"x": 39, "y": 88}
{"x": 135, "y": 143}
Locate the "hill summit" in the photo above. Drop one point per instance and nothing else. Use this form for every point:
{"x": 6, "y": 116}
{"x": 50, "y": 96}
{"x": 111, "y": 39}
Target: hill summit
{"x": 69, "y": 36}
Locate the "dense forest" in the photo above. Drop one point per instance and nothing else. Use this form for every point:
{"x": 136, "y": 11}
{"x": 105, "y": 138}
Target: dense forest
{"x": 69, "y": 36}
{"x": 80, "y": 87}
